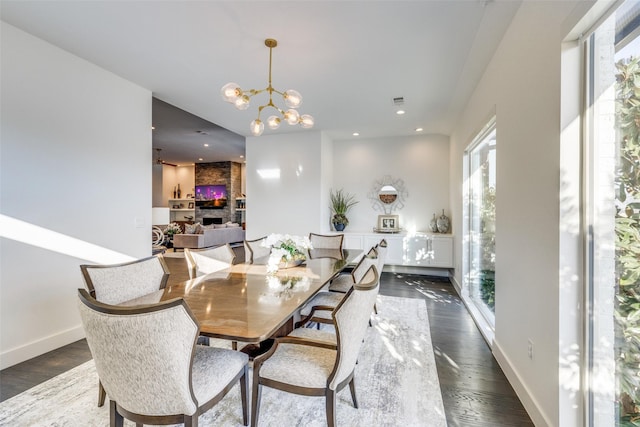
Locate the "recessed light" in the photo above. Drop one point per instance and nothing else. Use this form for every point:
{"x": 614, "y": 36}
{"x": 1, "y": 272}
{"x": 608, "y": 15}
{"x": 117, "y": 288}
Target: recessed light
{"x": 356, "y": 134}
{"x": 200, "y": 159}
{"x": 400, "y": 112}
{"x": 241, "y": 156}
{"x": 206, "y": 145}
{"x": 419, "y": 129}
{"x": 153, "y": 128}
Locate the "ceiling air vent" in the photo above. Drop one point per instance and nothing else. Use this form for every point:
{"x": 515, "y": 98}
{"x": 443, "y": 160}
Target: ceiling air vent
{"x": 398, "y": 101}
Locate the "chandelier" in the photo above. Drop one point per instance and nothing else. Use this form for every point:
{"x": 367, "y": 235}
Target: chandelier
{"x": 232, "y": 93}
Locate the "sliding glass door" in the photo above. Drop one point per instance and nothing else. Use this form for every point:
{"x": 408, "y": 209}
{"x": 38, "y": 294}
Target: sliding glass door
{"x": 480, "y": 222}
{"x": 612, "y": 216}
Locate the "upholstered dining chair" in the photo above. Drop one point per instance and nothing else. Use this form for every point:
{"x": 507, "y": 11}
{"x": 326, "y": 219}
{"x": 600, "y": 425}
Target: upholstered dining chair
{"x": 319, "y": 309}
{"x": 117, "y": 283}
{"x": 344, "y": 282}
{"x": 314, "y": 368}
{"x": 154, "y": 374}
{"x": 253, "y": 250}
{"x": 205, "y": 261}
{"x": 322, "y": 241}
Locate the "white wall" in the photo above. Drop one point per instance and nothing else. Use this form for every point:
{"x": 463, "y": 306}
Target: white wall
{"x": 75, "y": 187}
{"x": 522, "y": 85}
{"x": 418, "y": 160}
{"x": 291, "y": 203}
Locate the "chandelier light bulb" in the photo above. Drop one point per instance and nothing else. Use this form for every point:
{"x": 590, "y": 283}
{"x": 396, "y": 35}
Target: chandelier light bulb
{"x": 242, "y": 102}
{"x": 230, "y": 92}
{"x": 273, "y": 122}
{"x": 257, "y": 127}
{"x": 292, "y": 98}
{"x": 306, "y": 121}
{"x": 292, "y": 117}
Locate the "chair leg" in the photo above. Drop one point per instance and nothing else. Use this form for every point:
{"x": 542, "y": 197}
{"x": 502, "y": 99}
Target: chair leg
{"x": 190, "y": 421}
{"x": 244, "y": 384}
{"x": 102, "y": 394}
{"x": 375, "y": 308}
{"x": 331, "y": 408}
{"x": 255, "y": 401}
{"x": 352, "y": 388}
{"x": 234, "y": 345}
{"x": 116, "y": 420}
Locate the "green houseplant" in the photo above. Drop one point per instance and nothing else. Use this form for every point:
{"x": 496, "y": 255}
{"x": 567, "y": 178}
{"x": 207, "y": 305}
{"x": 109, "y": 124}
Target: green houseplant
{"x": 627, "y": 228}
{"x": 341, "y": 202}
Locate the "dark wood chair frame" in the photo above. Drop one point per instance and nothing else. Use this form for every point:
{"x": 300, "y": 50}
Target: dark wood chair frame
{"x": 248, "y": 257}
{"x": 102, "y": 395}
{"x": 118, "y": 413}
{"x": 330, "y": 395}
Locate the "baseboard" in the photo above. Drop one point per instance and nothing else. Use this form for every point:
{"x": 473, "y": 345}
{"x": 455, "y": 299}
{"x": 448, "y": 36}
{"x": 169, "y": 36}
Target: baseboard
{"x": 539, "y": 418}
{"x": 422, "y": 271}
{"x": 36, "y": 348}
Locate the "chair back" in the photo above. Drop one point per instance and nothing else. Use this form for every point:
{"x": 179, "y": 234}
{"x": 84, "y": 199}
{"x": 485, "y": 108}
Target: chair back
{"x": 382, "y": 254}
{"x": 117, "y": 283}
{"x": 253, "y": 249}
{"x": 205, "y": 261}
{"x": 143, "y": 365}
{"x": 351, "y": 320}
{"x": 321, "y": 241}
{"x": 361, "y": 268}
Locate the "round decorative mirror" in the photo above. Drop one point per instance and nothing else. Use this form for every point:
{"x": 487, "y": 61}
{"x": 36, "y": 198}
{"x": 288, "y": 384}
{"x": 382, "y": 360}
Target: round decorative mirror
{"x": 387, "y": 194}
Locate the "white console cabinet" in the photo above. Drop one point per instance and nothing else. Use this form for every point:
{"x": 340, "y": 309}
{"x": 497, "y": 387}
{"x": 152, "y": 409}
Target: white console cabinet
{"x": 416, "y": 250}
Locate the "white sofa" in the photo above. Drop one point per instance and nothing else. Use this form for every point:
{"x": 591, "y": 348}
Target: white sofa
{"x": 209, "y": 236}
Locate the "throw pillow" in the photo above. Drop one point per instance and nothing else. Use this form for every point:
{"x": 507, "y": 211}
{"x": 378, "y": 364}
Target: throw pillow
{"x": 192, "y": 228}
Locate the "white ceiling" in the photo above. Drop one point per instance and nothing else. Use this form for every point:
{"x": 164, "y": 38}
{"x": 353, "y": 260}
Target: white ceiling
{"x": 349, "y": 59}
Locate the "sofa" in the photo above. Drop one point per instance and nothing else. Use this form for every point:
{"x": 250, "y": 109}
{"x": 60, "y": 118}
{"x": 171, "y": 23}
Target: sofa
{"x": 198, "y": 236}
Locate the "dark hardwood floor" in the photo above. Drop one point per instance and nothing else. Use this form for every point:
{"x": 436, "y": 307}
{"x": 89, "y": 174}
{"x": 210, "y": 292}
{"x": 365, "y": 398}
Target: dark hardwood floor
{"x": 474, "y": 389}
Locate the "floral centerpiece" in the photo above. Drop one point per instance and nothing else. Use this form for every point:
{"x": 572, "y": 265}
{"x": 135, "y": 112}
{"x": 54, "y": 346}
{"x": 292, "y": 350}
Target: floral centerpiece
{"x": 286, "y": 250}
{"x": 173, "y": 228}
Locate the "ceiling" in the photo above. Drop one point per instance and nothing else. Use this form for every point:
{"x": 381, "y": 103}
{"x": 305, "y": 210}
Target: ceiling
{"x": 349, "y": 60}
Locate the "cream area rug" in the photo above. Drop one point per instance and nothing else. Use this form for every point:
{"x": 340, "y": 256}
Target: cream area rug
{"x": 396, "y": 382}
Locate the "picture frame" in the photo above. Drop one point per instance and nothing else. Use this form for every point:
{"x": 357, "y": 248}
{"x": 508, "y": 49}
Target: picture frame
{"x": 191, "y": 205}
{"x": 388, "y": 222}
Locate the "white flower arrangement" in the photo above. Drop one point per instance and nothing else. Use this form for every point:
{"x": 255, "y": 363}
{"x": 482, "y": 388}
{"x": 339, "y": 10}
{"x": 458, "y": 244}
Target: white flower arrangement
{"x": 173, "y": 228}
{"x": 285, "y": 249}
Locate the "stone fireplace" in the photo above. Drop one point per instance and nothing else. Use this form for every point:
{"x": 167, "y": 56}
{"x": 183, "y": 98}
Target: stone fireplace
{"x": 219, "y": 173}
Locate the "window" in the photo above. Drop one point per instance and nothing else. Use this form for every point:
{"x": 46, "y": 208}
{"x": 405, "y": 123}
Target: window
{"x": 480, "y": 223}
{"x": 612, "y": 215}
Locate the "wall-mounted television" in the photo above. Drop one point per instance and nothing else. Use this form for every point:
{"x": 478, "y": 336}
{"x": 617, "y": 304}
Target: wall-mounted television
{"x": 211, "y": 196}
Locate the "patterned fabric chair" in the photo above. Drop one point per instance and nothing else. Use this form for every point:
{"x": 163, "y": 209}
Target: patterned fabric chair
{"x": 117, "y": 283}
{"x": 154, "y": 374}
{"x": 313, "y": 368}
{"x": 253, "y": 249}
{"x": 319, "y": 308}
{"x": 344, "y": 282}
{"x": 205, "y": 261}
{"x": 321, "y": 241}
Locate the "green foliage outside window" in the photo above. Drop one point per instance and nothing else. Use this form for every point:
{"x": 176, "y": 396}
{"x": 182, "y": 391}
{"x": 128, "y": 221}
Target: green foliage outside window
{"x": 627, "y": 309}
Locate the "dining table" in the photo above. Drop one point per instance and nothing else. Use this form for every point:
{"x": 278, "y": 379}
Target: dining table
{"x": 248, "y": 303}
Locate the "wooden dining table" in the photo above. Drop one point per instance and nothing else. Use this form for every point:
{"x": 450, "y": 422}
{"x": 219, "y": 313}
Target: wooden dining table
{"x": 247, "y": 304}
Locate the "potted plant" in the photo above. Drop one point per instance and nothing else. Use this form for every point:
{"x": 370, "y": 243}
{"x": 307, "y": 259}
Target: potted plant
{"x": 341, "y": 202}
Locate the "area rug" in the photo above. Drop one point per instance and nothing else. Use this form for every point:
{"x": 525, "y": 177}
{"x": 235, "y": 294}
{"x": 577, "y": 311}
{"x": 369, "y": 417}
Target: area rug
{"x": 396, "y": 381}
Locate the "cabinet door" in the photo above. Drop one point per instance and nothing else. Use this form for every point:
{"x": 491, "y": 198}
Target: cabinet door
{"x": 442, "y": 247}
{"x": 351, "y": 241}
{"x": 395, "y": 249}
{"x": 416, "y": 251}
